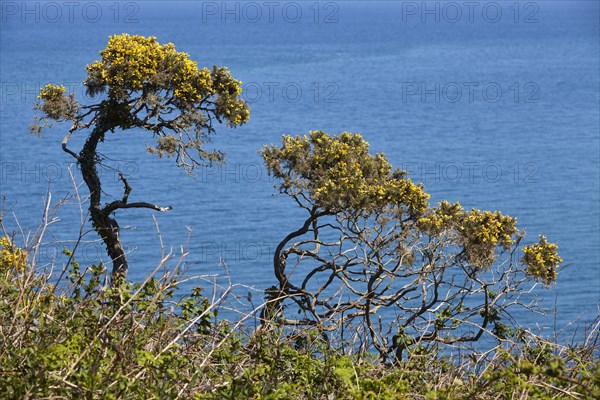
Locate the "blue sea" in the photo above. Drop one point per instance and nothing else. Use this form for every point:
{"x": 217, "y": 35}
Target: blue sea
{"x": 494, "y": 104}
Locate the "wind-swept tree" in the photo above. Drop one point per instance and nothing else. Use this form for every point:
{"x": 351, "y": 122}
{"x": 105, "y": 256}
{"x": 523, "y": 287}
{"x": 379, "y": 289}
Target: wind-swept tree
{"x": 142, "y": 84}
{"x": 370, "y": 242}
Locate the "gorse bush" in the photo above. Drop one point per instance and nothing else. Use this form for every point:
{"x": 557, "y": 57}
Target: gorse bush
{"x": 374, "y": 255}
{"x": 141, "y": 84}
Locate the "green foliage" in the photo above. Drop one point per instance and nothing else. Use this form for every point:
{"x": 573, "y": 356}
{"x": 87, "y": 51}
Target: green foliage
{"x": 337, "y": 173}
{"x": 541, "y": 370}
{"x": 85, "y": 339}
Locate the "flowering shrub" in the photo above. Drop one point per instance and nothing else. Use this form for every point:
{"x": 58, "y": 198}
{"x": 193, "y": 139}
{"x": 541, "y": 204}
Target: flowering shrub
{"x": 338, "y": 173}
{"x": 371, "y": 242}
{"x": 139, "y": 83}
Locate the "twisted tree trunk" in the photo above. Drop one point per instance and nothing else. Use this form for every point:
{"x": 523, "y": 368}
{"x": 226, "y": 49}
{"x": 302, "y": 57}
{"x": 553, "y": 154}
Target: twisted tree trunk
{"x": 103, "y": 223}
{"x": 107, "y": 227}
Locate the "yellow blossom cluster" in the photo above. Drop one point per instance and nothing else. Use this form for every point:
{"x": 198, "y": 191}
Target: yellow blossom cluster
{"x": 11, "y": 256}
{"x": 127, "y": 63}
{"x": 339, "y": 173}
{"x": 480, "y": 232}
{"x": 485, "y": 227}
{"x": 477, "y": 232}
{"x": 542, "y": 260}
{"x": 51, "y": 92}
{"x": 444, "y": 217}
{"x": 132, "y": 63}
{"x": 235, "y": 112}
{"x": 224, "y": 83}
{"x": 54, "y": 103}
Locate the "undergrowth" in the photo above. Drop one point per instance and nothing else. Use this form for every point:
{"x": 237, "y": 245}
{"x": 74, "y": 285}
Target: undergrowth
{"x": 72, "y": 335}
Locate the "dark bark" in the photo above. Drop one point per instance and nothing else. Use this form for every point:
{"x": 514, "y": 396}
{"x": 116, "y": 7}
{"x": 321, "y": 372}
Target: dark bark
{"x": 279, "y": 261}
{"x": 103, "y": 223}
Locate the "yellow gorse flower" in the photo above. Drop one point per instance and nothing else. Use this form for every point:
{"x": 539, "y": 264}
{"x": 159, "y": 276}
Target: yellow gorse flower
{"x": 11, "y": 256}
{"x": 542, "y": 260}
{"x": 339, "y": 173}
{"x": 478, "y": 232}
{"x": 50, "y": 92}
{"x": 133, "y": 63}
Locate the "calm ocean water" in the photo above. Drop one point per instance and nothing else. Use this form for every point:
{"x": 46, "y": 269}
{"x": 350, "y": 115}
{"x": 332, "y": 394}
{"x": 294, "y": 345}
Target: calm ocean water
{"x": 495, "y": 104}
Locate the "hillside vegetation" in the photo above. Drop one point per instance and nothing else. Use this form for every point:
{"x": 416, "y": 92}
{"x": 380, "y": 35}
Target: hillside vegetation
{"x": 70, "y": 335}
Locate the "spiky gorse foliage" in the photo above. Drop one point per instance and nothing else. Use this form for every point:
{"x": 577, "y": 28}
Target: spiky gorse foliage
{"x": 542, "y": 260}
{"x": 478, "y": 232}
{"x": 336, "y": 173}
{"x": 371, "y": 242}
{"x": 137, "y": 63}
{"x": 11, "y": 256}
{"x": 55, "y": 106}
{"x": 143, "y": 84}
